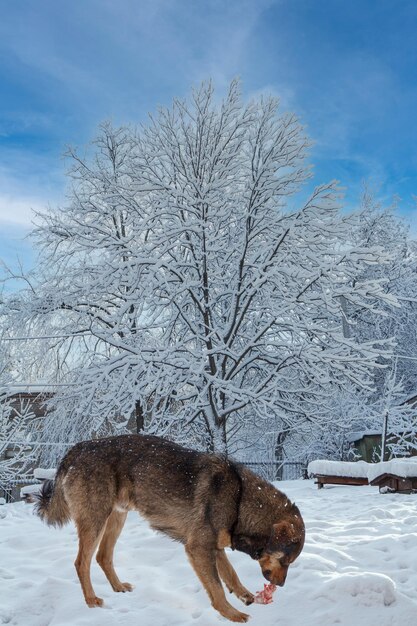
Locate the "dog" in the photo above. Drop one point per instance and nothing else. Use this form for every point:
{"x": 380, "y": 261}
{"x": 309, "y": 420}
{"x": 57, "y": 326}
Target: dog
{"x": 205, "y": 501}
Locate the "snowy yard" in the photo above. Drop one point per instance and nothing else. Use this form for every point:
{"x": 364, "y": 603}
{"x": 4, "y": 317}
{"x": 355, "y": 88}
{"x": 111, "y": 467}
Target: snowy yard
{"x": 358, "y": 567}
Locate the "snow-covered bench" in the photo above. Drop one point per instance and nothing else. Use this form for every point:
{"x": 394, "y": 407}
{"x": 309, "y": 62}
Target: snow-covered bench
{"x": 339, "y": 472}
{"x": 395, "y": 475}
{"x": 44, "y": 474}
{"x": 27, "y": 491}
{"x": 389, "y": 476}
{"x": 41, "y": 474}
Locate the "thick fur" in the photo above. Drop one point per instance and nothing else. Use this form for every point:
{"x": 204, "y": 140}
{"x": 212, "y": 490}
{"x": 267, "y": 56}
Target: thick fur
{"x": 203, "y": 500}
{"x": 50, "y": 504}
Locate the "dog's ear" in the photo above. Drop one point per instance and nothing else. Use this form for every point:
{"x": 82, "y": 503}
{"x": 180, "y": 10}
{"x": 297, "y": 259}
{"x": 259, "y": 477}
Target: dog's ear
{"x": 284, "y": 532}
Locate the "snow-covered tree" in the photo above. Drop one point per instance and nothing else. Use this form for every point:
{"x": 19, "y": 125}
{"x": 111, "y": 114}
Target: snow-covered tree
{"x": 397, "y": 417}
{"x": 203, "y": 298}
{"x": 16, "y": 451}
{"x": 381, "y": 226}
{"x": 397, "y": 380}
{"x": 16, "y": 417}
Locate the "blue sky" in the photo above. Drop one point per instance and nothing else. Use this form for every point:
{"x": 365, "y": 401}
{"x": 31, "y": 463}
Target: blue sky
{"x": 348, "y": 68}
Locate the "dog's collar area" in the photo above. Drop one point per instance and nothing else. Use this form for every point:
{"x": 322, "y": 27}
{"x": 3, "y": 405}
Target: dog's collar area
{"x": 238, "y": 502}
{"x": 253, "y": 546}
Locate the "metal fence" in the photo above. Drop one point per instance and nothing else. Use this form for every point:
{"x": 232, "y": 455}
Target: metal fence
{"x": 10, "y": 491}
{"x": 278, "y": 470}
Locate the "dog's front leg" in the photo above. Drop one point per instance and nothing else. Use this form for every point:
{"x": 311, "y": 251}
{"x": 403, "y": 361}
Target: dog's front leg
{"x": 203, "y": 560}
{"x": 231, "y": 580}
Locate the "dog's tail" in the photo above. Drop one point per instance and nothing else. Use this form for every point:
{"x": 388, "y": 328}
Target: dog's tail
{"x": 50, "y": 503}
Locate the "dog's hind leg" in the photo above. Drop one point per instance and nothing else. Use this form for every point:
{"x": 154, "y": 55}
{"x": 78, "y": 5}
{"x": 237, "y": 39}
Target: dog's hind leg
{"x": 230, "y": 578}
{"x": 104, "y": 557}
{"x": 89, "y": 533}
{"x": 203, "y": 560}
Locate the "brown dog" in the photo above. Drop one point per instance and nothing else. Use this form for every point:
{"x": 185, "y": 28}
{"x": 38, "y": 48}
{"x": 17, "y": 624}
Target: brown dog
{"x": 203, "y": 500}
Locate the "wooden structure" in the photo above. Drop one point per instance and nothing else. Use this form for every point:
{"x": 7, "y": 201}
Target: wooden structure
{"x": 328, "y": 472}
{"x": 33, "y": 486}
{"x": 29, "y": 402}
{"x": 367, "y": 445}
{"x": 391, "y": 483}
{"x": 322, "y": 479}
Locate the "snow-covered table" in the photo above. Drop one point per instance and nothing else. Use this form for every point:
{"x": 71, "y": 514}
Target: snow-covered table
{"x": 40, "y": 474}
{"x": 339, "y": 472}
{"x": 395, "y": 475}
{"x": 389, "y": 476}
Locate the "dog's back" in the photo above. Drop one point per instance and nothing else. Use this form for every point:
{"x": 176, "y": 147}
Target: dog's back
{"x": 158, "y": 478}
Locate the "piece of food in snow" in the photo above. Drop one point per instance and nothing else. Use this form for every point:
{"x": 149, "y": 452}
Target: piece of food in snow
{"x": 265, "y": 596}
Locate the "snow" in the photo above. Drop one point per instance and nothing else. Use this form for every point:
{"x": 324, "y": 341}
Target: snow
{"x": 404, "y": 467}
{"x": 28, "y": 489}
{"x": 357, "y": 567}
{"x": 399, "y": 467}
{"x": 354, "y": 469}
{"x": 360, "y": 434}
{"x": 42, "y": 473}
{"x": 39, "y": 473}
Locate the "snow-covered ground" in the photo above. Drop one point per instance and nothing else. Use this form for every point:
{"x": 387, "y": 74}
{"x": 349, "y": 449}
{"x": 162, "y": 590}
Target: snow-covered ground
{"x": 358, "y": 567}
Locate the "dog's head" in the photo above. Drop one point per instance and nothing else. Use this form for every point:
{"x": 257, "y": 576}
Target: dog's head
{"x": 285, "y": 544}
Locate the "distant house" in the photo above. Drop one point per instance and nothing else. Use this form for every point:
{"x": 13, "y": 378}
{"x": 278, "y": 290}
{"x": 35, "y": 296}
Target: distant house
{"x": 412, "y": 400}
{"x": 28, "y": 404}
{"x": 367, "y": 443}
{"x": 36, "y": 398}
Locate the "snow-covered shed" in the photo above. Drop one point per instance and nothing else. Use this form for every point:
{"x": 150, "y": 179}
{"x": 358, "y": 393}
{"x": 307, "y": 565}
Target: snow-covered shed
{"x": 366, "y": 444}
{"x": 24, "y": 410}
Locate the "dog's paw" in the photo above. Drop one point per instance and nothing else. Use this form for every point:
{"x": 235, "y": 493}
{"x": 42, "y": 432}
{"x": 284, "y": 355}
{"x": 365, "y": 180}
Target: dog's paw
{"x": 122, "y": 587}
{"x": 94, "y": 602}
{"x": 247, "y": 598}
{"x": 243, "y": 595}
{"x": 239, "y": 617}
{"x": 234, "y": 615}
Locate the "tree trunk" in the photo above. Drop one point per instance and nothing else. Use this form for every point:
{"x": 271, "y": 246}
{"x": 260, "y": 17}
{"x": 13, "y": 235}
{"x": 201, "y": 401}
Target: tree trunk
{"x": 219, "y": 439}
{"x": 279, "y": 456}
{"x": 140, "y": 417}
{"x": 217, "y": 432}
{"x": 384, "y": 436}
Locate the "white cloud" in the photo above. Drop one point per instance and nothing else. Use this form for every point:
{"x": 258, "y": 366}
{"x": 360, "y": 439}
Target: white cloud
{"x": 16, "y": 210}
{"x": 284, "y": 93}
{"x": 104, "y": 71}
{"x": 29, "y": 183}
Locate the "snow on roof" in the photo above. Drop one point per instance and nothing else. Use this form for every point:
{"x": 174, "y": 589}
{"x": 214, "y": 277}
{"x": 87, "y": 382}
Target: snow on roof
{"x": 44, "y": 474}
{"x": 411, "y": 399}
{"x": 404, "y": 468}
{"x": 38, "y": 389}
{"x": 355, "y": 436}
{"x": 29, "y": 489}
{"x": 354, "y": 469}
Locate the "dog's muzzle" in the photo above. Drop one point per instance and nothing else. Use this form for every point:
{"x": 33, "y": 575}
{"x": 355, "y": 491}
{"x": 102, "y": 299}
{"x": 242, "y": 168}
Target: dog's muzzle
{"x": 275, "y": 578}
